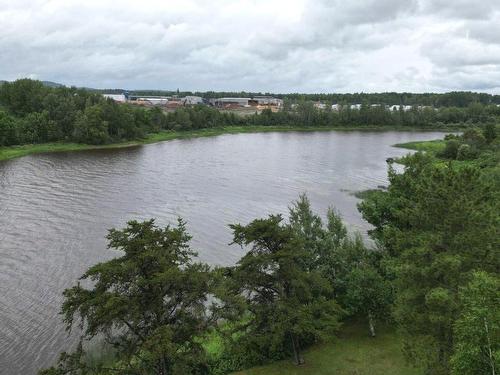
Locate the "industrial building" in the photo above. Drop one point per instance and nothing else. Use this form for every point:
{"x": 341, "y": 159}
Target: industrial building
{"x": 228, "y": 103}
{"x": 172, "y": 102}
{"x": 122, "y": 98}
{"x": 266, "y": 102}
{"x": 193, "y": 100}
{"x": 152, "y": 100}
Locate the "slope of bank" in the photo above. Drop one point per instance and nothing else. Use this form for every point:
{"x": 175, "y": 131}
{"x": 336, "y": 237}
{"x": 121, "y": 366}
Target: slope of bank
{"x": 23, "y": 150}
{"x": 354, "y": 352}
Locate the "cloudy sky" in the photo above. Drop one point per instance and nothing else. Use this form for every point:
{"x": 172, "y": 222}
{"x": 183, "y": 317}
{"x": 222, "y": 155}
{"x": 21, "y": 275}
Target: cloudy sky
{"x": 255, "y": 45}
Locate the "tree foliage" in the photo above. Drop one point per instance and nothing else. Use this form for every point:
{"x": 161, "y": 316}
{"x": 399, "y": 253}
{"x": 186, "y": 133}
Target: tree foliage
{"x": 283, "y": 303}
{"x": 437, "y": 223}
{"x": 477, "y": 330}
{"x": 149, "y": 304}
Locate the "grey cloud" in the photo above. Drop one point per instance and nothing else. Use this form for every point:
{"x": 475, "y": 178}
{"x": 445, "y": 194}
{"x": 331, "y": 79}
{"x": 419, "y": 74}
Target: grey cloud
{"x": 487, "y": 31}
{"x": 470, "y": 78}
{"x": 461, "y": 9}
{"x": 340, "y": 13}
{"x": 261, "y": 45}
{"x": 461, "y": 52}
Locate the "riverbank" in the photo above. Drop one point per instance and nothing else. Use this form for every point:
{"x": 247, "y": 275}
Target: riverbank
{"x": 13, "y": 152}
{"x": 427, "y": 146}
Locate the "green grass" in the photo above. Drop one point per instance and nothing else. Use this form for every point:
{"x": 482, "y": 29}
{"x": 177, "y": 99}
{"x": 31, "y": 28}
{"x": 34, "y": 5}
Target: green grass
{"x": 353, "y": 353}
{"x": 23, "y": 150}
{"x": 428, "y": 146}
{"x": 18, "y": 151}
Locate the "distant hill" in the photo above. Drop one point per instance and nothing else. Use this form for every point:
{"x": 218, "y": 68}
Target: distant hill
{"x": 45, "y": 83}
{"x": 52, "y": 84}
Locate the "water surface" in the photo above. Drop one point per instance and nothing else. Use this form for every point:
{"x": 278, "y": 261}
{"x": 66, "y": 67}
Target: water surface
{"x": 55, "y": 210}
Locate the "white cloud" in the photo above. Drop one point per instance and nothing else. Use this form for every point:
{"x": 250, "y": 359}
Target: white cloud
{"x": 258, "y": 45}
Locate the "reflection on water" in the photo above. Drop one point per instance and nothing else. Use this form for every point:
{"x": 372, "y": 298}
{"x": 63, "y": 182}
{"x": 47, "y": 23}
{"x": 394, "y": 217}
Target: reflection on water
{"x": 55, "y": 210}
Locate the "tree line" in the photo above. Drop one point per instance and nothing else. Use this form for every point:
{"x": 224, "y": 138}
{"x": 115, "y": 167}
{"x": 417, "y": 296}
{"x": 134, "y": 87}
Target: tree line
{"x": 459, "y": 99}
{"x": 31, "y": 112}
{"x": 305, "y": 114}
{"x": 432, "y": 273}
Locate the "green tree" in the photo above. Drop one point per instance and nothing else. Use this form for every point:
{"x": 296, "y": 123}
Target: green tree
{"x": 23, "y": 96}
{"x": 283, "y": 302}
{"x": 451, "y": 149}
{"x": 322, "y": 244}
{"x": 352, "y": 270}
{"x": 62, "y": 110}
{"x": 149, "y": 303}
{"x": 8, "y": 130}
{"x": 309, "y": 228}
{"x": 91, "y": 127}
{"x": 490, "y": 132}
{"x": 36, "y": 127}
{"x": 367, "y": 293}
{"x": 437, "y": 223}
{"x": 474, "y": 137}
{"x": 477, "y": 331}
{"x": 466, "y": 152}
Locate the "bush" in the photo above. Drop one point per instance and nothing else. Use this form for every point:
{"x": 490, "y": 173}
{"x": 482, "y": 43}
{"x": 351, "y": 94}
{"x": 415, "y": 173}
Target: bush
{"x": 490, "y": 132}
{"x": 241, "y": 353}
{"x": 90, "y": 127}
{"x": 8, "y": 130}
{"x": 474, "y": 138}
{"x": 466, "y": 152}
{"x": 451, "y": 149}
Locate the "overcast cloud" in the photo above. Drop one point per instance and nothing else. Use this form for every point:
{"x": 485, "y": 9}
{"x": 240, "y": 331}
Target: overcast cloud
{"x": 255, "y": 45}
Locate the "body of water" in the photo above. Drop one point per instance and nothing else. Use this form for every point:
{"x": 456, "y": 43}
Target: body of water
{"x": 55, "y": 210}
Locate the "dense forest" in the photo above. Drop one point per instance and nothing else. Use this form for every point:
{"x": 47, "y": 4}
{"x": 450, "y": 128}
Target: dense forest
{"x": 432, "y": 273}
{"x": 31, "y": 112}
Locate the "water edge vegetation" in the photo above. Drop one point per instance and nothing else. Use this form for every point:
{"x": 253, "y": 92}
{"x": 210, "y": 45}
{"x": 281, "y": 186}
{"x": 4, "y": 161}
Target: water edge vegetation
{"x": 11, "y": 152}
{"x": 34, "y": 114}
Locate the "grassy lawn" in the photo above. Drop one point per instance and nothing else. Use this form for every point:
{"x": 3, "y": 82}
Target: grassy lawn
{"x": 353, "y": 353}
{"x": 429, "y": 146}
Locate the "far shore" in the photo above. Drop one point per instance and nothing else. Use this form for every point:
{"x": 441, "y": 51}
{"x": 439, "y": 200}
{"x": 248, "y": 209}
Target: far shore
{"x": 12, "y": 152}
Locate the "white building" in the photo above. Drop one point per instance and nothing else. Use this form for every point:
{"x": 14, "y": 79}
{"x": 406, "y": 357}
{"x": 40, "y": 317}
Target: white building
{"x": 116, "y": 97}
{"x": 153, "y": 100}
{"x": 319, "y": 105}
{"x": 225, "y": 102}
{"x": 268, "y": 101}
{"x": 405, "y": 108}
{"x": 193, "y": 100}
{"x": 355, "y": 106}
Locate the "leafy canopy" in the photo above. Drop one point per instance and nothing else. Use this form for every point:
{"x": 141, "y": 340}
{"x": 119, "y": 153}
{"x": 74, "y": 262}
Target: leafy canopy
{"x": 149, "y": 303}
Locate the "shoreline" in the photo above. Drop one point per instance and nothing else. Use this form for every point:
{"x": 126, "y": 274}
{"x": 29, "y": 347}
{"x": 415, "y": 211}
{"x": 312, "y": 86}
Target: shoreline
{"x": 427, "y": 146}
{"x": 12, "y": 152}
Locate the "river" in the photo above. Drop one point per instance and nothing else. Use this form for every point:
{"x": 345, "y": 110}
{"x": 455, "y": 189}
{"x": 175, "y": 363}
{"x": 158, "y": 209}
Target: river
{"x": 55, "y": 210}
